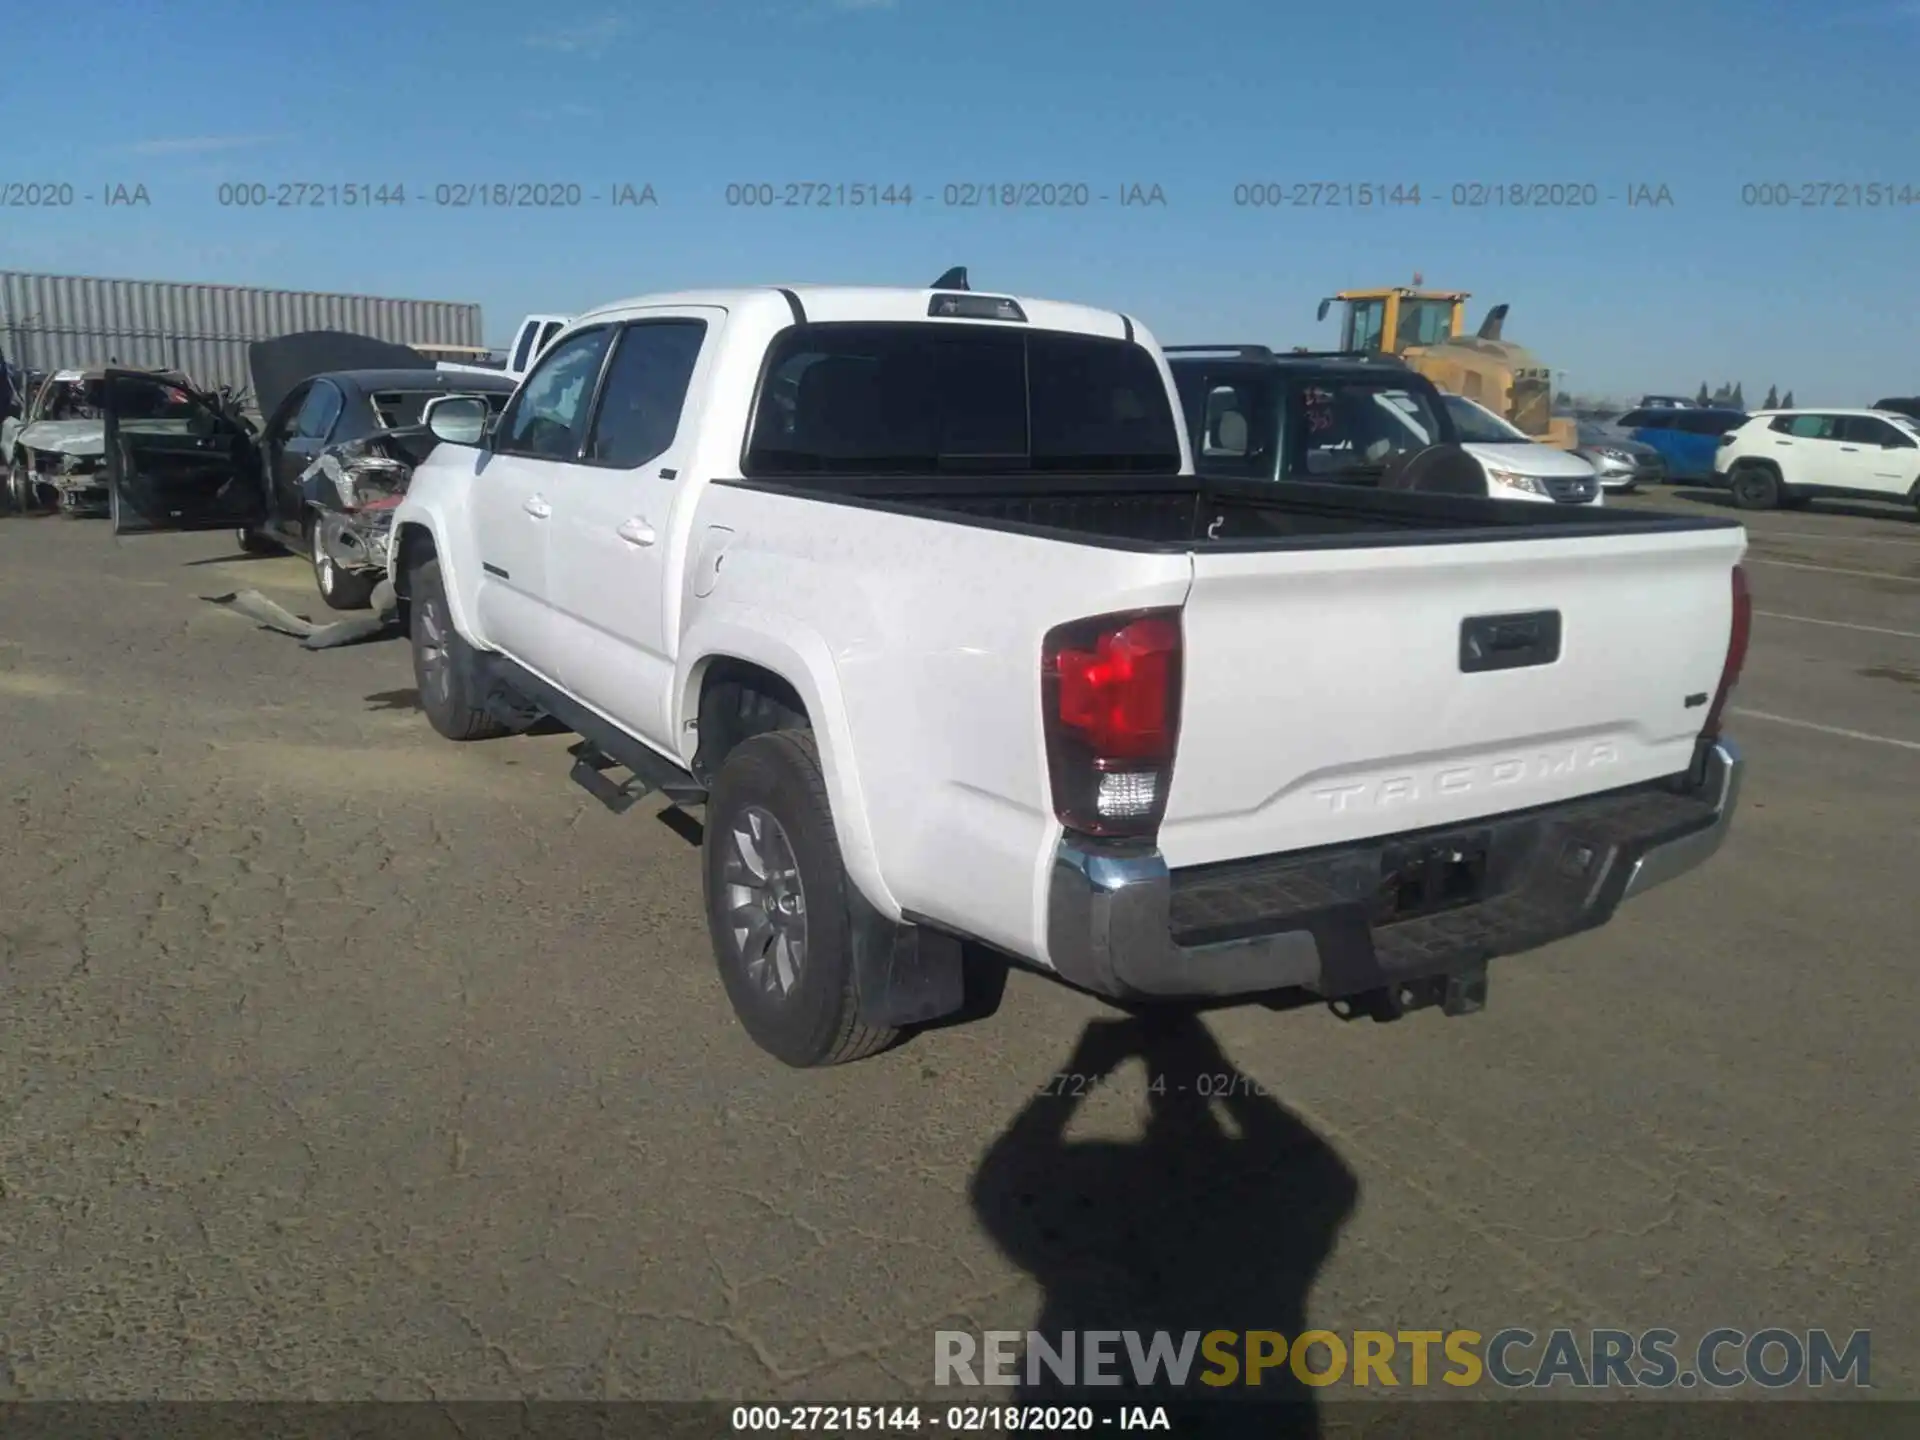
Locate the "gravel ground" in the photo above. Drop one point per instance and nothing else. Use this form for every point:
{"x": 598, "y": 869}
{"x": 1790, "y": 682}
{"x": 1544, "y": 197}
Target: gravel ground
{"x": 342, "y": 1062}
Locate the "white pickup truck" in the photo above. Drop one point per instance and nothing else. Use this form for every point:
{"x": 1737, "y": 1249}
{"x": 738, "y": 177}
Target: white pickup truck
{"x": 915, "y": 591}
{"x": 533, "y": 336}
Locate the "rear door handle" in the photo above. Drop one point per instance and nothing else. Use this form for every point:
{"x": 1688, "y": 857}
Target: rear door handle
{"x": 636, "y": 532}
{"x": 537, "y": 507}
{"x": 1851, "y": 449}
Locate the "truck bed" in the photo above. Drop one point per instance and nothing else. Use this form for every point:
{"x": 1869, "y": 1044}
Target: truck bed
{"x": 1178, "y": 513}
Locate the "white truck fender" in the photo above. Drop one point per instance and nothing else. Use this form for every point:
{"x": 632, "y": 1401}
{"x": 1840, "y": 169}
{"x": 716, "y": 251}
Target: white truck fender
{"x": 803, "y": 660}
{"x": 422, "y": 517}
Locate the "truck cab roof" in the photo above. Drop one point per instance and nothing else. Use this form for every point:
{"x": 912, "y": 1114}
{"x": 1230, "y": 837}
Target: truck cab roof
{"x": 829, "y": 304}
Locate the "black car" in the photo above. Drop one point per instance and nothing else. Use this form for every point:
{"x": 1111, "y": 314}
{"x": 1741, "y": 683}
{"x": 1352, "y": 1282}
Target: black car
{"x": 1908, "y": 405}
{"x": 1258, "y": 414}
{"x": 338, "y": 410}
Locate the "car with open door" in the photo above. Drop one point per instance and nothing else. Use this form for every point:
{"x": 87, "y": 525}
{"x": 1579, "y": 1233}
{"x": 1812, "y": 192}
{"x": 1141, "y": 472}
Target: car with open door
{"x": 323, "y": 470}
{"x": 55, "y": 452}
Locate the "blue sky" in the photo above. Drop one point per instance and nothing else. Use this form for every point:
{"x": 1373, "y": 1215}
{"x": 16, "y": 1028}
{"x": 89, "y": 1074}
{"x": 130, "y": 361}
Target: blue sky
{"x": 691, "y": 95}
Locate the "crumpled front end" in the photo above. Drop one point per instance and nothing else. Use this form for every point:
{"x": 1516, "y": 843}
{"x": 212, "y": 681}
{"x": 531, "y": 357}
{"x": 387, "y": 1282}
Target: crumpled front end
{"x": 74, "y": 483}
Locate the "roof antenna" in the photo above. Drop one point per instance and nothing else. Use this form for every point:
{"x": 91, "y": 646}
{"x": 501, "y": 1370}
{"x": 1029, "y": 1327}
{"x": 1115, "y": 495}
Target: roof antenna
{"x": 954, "y": 279}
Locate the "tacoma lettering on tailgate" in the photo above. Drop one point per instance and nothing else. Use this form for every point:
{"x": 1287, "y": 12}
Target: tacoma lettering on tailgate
{"x": 1394, "y": 790}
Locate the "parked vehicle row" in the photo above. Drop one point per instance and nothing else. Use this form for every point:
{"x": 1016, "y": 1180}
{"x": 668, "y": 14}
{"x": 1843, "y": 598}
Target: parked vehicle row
{"x": 1686, "y": 437}
{"x": 319, "y": 475}
{"x": 921, "y": 594}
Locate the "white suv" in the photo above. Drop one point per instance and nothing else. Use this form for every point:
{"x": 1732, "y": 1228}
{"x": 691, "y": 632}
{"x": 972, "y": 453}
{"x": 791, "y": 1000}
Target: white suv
{"x": 1788, "y": 457}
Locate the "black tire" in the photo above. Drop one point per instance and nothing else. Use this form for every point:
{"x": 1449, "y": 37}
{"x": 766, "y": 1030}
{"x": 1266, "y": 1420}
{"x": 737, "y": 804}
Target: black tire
{"x": 445, "y": 667}
{"x": 340, "y": 589}
{"x": 1755, "y": 487}
{"x": 807, "y": 1012}
{"x": 252, "y": 542}
{"x": 21, "y": 493}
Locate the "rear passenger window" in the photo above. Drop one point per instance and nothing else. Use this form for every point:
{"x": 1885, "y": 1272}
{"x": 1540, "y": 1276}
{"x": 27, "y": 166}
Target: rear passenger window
{"x": 523, "y": 352}
{"x": 645, "y": 389}
{"x": 1811, "y": 427}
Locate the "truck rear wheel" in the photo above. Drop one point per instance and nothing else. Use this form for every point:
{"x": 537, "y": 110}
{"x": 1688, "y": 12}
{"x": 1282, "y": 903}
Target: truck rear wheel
{"x": 445, "y": 667}
{"x": 777, "y": 905}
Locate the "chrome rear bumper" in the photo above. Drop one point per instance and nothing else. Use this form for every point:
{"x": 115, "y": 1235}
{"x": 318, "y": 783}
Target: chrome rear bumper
{"x": 1125, "y": 925}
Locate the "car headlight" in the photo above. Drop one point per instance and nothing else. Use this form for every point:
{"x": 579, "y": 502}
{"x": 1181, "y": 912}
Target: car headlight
{"x": 1514, "y": 480}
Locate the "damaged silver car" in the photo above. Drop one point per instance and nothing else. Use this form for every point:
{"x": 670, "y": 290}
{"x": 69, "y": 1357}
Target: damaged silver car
{"x": 56, "y": 449}
{"x": 322, "y": 474}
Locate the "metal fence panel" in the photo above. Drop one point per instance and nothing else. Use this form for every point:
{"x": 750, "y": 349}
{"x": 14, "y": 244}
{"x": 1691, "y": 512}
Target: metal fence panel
{"x": 56, "y": 322}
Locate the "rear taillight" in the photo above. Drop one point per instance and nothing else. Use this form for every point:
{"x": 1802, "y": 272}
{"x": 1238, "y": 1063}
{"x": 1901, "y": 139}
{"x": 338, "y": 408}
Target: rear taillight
{"x": 1110, "y": 689}
{"x": 1736, "y": 652}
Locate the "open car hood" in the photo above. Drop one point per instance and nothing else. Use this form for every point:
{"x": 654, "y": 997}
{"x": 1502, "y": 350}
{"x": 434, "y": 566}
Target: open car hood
{"x": 278, "y": 365}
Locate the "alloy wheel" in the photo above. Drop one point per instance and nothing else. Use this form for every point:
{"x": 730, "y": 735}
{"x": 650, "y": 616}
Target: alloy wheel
{"x": 323, "y": 572}
{"x": 430, "y": 650}
{"x": 766, "y": 910}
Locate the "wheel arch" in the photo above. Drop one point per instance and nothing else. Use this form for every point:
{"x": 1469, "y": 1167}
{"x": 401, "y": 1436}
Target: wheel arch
{"x": 793, "y": 672}
{"x": 416, "y": 539}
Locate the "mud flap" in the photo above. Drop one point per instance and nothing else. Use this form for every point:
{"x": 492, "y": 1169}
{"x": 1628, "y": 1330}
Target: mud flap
{"x": 904, "y": 974}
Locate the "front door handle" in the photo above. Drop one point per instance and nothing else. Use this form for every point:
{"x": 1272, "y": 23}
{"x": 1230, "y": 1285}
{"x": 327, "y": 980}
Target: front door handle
{"x": 537, "y": 507}
{"x": 1851, "y": 449}
{"x": 636, "y": 532}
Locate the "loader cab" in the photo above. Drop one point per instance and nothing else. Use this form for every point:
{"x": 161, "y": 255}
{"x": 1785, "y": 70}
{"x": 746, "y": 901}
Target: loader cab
{"x": 1389, "y": 321}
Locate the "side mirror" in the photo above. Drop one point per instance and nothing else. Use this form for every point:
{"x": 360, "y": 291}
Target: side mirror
{"x": 458, "y": 419}
{"x": 1325, "y": 305}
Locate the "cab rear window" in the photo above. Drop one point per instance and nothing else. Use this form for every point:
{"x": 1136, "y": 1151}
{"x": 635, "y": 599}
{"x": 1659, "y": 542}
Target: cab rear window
{"x": 929, "y": 398}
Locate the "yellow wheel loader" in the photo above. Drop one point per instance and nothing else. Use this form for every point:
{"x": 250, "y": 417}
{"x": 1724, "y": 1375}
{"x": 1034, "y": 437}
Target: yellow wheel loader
{"x": 1427, "y": 329}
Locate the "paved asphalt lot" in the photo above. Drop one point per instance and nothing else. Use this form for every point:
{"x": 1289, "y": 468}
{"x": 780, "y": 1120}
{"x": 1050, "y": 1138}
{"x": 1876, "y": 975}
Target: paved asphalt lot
{"x": 339, "y": 1061}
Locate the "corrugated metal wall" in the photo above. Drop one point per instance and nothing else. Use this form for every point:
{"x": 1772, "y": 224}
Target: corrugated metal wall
{"x": 51, "y": 322}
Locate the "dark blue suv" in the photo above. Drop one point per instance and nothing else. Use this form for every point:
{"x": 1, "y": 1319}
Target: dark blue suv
{"x": 1686, "y": 438}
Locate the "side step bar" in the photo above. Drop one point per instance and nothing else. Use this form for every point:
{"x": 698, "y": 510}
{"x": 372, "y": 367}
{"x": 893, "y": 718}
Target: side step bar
{"x": 517, "y": 696}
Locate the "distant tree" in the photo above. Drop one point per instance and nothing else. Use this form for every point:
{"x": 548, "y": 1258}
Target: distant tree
{"x": 1702, "y": 398}
{"x": 1739, "y": 397}
{"x": 1772, "y": 400}
{"x": 1563, "y": 400}
{"x": 1787, "y": 404}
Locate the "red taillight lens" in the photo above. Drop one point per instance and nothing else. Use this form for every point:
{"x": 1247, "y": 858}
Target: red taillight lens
{"x": 1736, "y": 652}
{"x": 1111, "y": 691}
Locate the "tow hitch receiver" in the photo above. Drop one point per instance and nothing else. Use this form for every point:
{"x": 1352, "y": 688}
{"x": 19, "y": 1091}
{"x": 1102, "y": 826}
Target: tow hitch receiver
{"x": 1463, "y": 992}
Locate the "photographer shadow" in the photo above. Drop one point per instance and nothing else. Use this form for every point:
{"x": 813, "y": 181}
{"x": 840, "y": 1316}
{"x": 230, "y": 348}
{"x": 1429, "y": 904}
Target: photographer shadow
{"x": 1190, "y": 1228}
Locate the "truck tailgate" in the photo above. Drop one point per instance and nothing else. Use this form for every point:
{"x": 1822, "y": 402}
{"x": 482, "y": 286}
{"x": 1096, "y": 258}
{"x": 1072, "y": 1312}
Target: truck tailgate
{"x": 1328, "y": 698}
